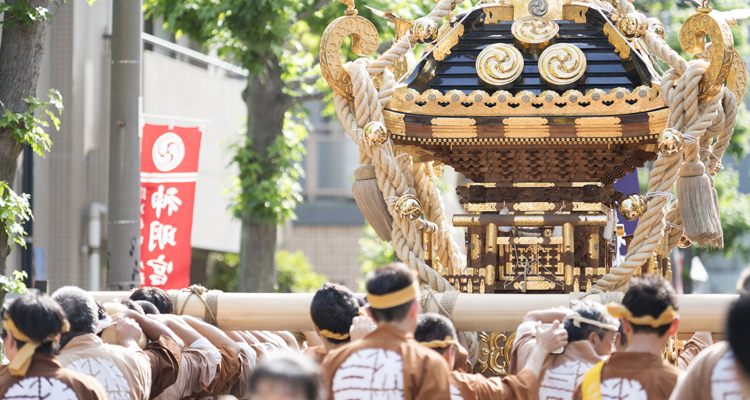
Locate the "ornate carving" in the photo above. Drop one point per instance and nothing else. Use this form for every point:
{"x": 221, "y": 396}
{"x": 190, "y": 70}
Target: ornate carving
{"x": 534, "y": 285}
{"x": 720, "y": 53}
{"x": 534, "y": 34}
{"x": 534, "y": 206}
{"x": 445, "y": 45}
{"x": 538, "y": 8}
{"x": 365, "y": 41}
{"x": 590, "y": 195}
{"x": 562, "y": 65}
{"x": 495, "y": 13}
{"x": 499, "y": 64}
{"x": 737, "y": 78}
{"x": 575, "y": 12}
{"x": 502, "y": 103}
{"x": 494, "y": 352}
{"x": 622, "y": 47}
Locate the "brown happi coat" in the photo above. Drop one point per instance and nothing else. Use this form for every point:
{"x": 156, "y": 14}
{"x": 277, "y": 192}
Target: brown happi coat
{"x": 164, "y": 356}
{"x": 47, "y": 379}
{"x": 227, "y": 374}
{"x": 388, "y": 364}
{"x": 712, "y": 375}
{"x": 636, "y": 376}
{"x": 478, "y": 387}
{"x": 197, "y": 371}
{"x": 561, "y": 373}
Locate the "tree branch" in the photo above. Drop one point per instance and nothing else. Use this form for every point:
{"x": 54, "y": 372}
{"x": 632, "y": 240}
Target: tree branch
{"x": 292, "y": 100}
{"x": 310, "y": 11}
{"x": 54, "y": 5}
{"x": 309, "y": 80}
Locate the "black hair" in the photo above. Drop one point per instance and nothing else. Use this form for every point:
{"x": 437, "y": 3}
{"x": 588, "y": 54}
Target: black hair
{"x": 332, "y": 309}
{"x": 101, "y": 312}
{"x": 738, "y": 324}
{"x": 147, "y": 307}
{"x": 131, "y": 305}
{"x": 386, "y": 279}
{"x": 361, "y": 302}
{"x": 434, "y": 327}
{"x": 592, "y": 311}
{"x": 285, "y": 370}
{"x": 158, "y": 297}
{"x": 649, "y": 295}
{"x": 38, "y": 317}
{"x": 623, "y": 336}
{"x": 80, "y": 308}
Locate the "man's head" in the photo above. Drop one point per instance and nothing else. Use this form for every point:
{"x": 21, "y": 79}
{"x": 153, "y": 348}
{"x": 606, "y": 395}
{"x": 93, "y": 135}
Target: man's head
{"x": 600, "y": 329}
{"x": 738, "y": 325}
{"x": 158, "y": 297}
{"x": 332, "y": 310}
{"x": 285, "y": 376}
{"x": 392, "y": 294}
{"x": 148, "y": 308}
{"x": 32, "y": 318}
{"x": 649, "y": 307}
{"x": 80, "y": 308}
{"x": 743, "y": 283}
{"x": 437, "y": 332}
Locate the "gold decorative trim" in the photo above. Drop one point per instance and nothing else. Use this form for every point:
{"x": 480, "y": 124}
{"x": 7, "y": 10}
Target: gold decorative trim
{"x": 505, "y": 240}
{"x": 479, "y": 103}
{"x": 534, "y": 34}
{"x": 453, "y": 121}
{"x": 610, "y": 127}
{"x": 594, "y": 246}
{"x": 481, "y": 207}
{"x": 444, "y": 47}
{"x": 534, "y": 285}
{"x": 533, "y": 184}
{"x": 499, "y": 64}
{"x": 534, "y": 206}
{"x": 737, "y": 78}
{"x": 588, "y": 207}
{"x": 719, "y": 53}
{"x": 528, "y": 220}
{"x": 574, "y": 12}
{"x": 562, "y": 64}
{"x": 494, "y": 13}
{"x": 622, "y": 47}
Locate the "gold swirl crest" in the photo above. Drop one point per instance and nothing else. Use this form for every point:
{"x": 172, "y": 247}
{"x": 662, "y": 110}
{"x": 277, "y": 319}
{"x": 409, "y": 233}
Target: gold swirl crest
{"x": 533, "y": 34}
{"x": 562, "y": 64}
{"x": 499, "y": 64}
{"x": 693, "y": 40}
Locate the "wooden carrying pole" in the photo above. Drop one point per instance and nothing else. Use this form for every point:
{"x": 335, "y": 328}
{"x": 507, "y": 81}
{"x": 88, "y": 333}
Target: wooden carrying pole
{"x": 472, "y": 312}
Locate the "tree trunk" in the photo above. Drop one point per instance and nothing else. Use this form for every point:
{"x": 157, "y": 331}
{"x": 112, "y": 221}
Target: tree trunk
{"x": 21, "y": 53}
{"x": 266, "y": 106}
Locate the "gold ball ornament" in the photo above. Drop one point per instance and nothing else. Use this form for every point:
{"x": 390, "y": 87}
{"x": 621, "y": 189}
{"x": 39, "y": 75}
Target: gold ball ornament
{"x": 409, "y": 207}
{"x": 684, "y": 242}
{"x": 654, "y": 25}
{"x": 424, "y": 30}
{"x": 633, "y": 206}
{"x": 375, "y": 133}
{"x": 633, "y": 25}
{"x": 670, "y": 142}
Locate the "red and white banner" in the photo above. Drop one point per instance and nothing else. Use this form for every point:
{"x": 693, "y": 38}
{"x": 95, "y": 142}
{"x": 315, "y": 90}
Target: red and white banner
{"x": 169, "y": 169}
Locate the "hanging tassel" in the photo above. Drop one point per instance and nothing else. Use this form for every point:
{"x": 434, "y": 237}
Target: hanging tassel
{"x": 370, "y": 201}
{"x": 697, "y": 204}
{"x": 719, "y": 241}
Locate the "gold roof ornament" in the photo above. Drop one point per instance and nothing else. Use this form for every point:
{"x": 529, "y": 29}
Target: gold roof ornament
{"x": 534, "y": 34}
{"x": 499, "y": 64}
{"x": 562, "y": 65}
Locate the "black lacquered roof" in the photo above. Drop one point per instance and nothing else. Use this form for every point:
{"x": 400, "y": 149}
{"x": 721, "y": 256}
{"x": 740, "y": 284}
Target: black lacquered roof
{"x": 606, "y": 70}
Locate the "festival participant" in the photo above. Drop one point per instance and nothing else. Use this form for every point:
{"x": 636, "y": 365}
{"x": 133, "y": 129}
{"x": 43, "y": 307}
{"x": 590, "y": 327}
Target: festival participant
{"x": 649, "y": 315}
{"x": 720, "y": 372}
{"x": 437, "y": 332}
{"x": 199, "y": 360}
{"x": 156, "y": 296}
{"x": 591, "y": 335}
{"x": 124, "y": 371}
{"x": 388, "y": 362}
{"x": 285, "y": 376}
{"x": 332, "y": 310}
{"x": 31, "y": 328}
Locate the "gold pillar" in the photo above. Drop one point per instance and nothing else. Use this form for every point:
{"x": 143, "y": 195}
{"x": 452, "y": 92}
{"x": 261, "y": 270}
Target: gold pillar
{"x": 491, "y": 250}
{"x": 427, "y": 247}
{"x": 568, "y": 256}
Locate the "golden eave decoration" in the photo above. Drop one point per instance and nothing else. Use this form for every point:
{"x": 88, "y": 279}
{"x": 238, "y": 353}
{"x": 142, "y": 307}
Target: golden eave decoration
{"x": 548, "y": 103}
{"x": 562, "y": 64}
{"x": 534, "y": 34}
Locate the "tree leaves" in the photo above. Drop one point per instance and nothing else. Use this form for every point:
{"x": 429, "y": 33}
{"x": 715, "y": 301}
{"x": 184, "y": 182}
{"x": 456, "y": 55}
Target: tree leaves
{"x": 26, "y": 128}
{"x": 14, "y": 211}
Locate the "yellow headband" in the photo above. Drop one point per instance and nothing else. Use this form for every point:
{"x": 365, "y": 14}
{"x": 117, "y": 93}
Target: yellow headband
{"x": 22, "y": 361}
{"x": 332, "y": 335}
{"x": 448, "y": 341}
{"x": 620, "y": 311}
{"x": 394, "y": 299}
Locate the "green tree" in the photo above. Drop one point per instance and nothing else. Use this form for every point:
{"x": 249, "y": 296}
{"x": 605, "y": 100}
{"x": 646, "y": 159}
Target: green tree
{"x": 277, "y": 41}
{"x": 23, "y": 31}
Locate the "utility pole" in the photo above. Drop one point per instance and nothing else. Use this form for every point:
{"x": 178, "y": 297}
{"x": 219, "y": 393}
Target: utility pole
{"x": 123, "y": 235}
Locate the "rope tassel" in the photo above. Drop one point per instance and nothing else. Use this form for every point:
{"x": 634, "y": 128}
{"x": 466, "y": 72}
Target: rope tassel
{"x": 370, "y": 201}
{"x": 698, "y": 204}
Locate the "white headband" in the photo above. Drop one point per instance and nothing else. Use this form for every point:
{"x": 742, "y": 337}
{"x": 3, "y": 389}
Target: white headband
{"x": 578, "y": 318}
{"x": 103, "y": 324}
